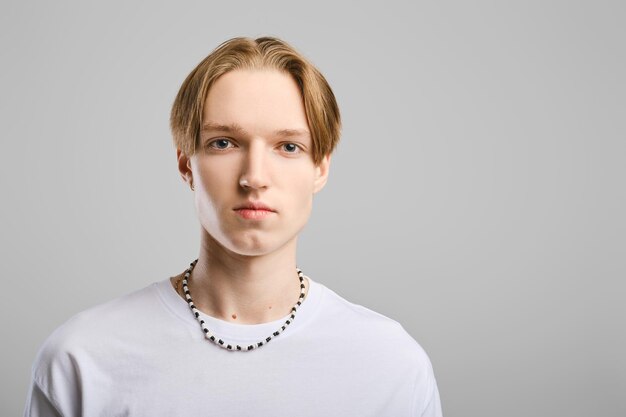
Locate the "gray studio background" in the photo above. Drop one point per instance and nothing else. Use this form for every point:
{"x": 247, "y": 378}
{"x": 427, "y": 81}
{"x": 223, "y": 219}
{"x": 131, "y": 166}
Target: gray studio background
{"x": 477, "y": 195}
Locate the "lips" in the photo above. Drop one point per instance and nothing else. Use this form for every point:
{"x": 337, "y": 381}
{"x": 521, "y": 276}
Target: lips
{"x": 254, "y": 205}
{"x": 254, "y": 211}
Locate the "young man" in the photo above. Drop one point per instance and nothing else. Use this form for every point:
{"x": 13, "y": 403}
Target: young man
{"x": 242, "y": 331}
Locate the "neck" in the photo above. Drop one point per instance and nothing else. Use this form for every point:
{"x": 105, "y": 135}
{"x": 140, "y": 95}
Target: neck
{"x": 245, "y": 289}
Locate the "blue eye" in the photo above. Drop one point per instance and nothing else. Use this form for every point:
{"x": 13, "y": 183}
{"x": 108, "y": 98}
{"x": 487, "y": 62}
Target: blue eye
{"x": 292, "y": 147}
{"x": 221, "y": 141}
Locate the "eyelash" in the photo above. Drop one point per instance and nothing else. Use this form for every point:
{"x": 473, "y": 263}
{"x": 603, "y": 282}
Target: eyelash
{"x": 223, "y": 149}
{"x": 211, "y": 143}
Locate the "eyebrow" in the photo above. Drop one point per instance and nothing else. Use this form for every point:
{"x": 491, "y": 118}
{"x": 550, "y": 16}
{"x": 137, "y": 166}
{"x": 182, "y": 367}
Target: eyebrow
{"x": 235, "y": 128}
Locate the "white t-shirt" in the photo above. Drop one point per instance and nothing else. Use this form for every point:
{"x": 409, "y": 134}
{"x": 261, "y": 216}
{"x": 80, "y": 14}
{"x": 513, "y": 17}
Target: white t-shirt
{"x": 145, "y": 354}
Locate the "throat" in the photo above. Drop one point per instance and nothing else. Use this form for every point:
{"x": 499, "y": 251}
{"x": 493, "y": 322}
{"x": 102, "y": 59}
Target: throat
{"x": 264, "y": 315}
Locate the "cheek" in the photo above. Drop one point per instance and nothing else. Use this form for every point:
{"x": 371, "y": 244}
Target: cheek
{"x": 216, "y": 182}
{"x": 303, "y": 197}
{"x": 213, "y": 196}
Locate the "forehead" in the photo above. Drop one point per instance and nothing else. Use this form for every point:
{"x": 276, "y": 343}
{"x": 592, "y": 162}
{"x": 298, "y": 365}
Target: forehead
{"x": 257, "y": 100}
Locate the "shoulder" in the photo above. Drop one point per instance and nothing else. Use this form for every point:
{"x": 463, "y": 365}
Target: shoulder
{"x": 87, "y": 331}
{"x": 111, "y": 312}
{"x": 380, "y": 343}
{"x": 360, "y": 323}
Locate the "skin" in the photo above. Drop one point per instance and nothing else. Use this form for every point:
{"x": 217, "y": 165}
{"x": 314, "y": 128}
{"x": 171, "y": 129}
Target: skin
{"x": 246, "y": 272}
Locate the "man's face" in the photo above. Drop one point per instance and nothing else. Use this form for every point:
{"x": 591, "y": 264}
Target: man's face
{"x": 255, "y": 146}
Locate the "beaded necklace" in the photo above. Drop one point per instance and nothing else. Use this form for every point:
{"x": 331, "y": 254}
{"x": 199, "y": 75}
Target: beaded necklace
{"x": 221, "y": 343}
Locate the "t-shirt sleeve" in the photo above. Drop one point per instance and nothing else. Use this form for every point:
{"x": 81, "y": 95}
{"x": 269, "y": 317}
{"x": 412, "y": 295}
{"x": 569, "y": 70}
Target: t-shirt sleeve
{"x": 432, "y": 404}
{"x": 56, "y": 374}
{"x": 39, "y": 404}
{"x": 426, "y": 402}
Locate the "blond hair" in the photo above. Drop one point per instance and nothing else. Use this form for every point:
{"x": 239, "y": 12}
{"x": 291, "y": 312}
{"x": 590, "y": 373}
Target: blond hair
{"x": 320, "y": 106}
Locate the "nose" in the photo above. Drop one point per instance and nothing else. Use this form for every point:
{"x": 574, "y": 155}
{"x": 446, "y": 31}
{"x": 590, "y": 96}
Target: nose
{"x": 254, "y": 173}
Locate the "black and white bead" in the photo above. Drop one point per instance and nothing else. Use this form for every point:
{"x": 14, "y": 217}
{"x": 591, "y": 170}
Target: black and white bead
{"x": 234, "y": 347}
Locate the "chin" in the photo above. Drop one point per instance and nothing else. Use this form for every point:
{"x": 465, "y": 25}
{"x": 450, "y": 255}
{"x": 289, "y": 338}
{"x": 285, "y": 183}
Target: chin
{"x": 257, "y": 244}
{"x": 252, "y": 250}
{"x": 251, "y": 244}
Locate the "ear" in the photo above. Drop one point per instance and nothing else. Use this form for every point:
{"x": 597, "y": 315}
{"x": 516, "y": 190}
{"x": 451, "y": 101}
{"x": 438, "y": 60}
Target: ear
{"x": 321, "y": 174}
{"x": 184, "y": 166}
